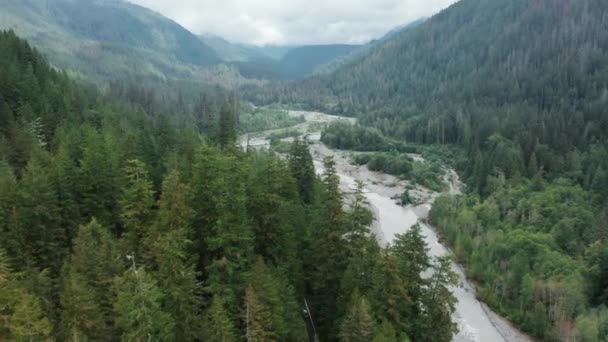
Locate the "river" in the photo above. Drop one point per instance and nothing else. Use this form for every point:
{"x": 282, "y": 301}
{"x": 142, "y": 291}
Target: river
{"x": 476, "y": 322}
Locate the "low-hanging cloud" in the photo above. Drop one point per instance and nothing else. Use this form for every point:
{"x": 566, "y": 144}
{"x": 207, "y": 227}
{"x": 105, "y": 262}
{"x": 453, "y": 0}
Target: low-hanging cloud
{"x": 263, "y": 22}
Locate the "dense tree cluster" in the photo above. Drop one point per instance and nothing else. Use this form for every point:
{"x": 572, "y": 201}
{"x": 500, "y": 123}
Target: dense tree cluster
{"x": 121, "y": 224}
{"x": 539, "y": 252}
{"x": 522, "y": 88}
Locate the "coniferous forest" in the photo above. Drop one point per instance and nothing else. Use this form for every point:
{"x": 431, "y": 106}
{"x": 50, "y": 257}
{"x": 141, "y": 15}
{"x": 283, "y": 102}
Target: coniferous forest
{"x": 520, "y": 89}
{"x": 123, "y": 224}
{"x": 129, "y": 211}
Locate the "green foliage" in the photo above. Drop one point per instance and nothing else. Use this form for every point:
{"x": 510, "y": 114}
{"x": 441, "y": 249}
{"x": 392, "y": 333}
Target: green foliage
{"x": 110, "y": 40}
{"x": 256, "y": 318}
{"x": 264, "y": 119}
{"x": 525, "y": 240}
{"x": 218, "y": 326}
{"x": 85, "y": 299}
{"x": 221, "y": 244}
{"x": 138, "y": 308}
{"x": 302, "y": 169}
{"x": 136, "y": 203}
{"x": 21, "y": 314}
{"x": 358, "y": 324}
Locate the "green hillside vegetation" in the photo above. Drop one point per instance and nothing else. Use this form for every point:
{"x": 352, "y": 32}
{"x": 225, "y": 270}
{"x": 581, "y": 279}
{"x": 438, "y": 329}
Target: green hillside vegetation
{"x": 106, "y": 40}
{"x": 118, "y": 223}
{"x": 521, "y": 87}
{"x": 303, "y": 61}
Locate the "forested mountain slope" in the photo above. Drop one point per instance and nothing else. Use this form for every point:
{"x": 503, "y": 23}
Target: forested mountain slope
{"x": 521, "y": 87}
{"x": 303, "y": 61}
{"x": 108, "y": 39}
{"x": 123, "y": 223}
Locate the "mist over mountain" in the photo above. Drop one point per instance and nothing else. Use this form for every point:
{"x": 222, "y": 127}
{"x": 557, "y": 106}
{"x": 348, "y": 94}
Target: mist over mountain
{"x": 108, "y": 39}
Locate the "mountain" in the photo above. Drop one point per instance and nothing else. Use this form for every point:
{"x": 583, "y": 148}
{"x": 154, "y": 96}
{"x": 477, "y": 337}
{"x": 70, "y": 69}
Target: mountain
{"x": 234, "y": 52}
{"x": 106, "y": 38}
{"x": 401, "y": 28}
{"x": 302, "y": 61}
{"x": 276, "y": 62}
{"x": 362, "y": 50}
{"x": 515, "y": 94}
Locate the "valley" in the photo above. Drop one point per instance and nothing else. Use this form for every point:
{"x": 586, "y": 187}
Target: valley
{"x": 476, "y": 321}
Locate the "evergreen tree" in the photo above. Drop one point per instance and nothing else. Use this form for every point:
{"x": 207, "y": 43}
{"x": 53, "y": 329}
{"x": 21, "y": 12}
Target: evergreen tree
{"x": 276, "y": 294}
{"x": 328, "y": 252}
{"x": 21, "y": 315}
{"x": 358, "y": 324}
{"x": 39, "y": 230}
{"x": 100, "y": 184}
{"x": 218, "y": 326}
{"x": 385, "y": 332}
{"x": 86, "y": 299}
{"x": 257, "y": 322}
{"x": 411, "y": 253}
{"x": 138, "y": 308}
{"x": 226, "y": 135}
{"x": 136, "y": 202}
{"x": 302, "y": 169}
{"x": 435, "y": 324}
{"x": 170, "y": 245}
{"x": 8, "y": 224}
{"x": 231, "y": 240}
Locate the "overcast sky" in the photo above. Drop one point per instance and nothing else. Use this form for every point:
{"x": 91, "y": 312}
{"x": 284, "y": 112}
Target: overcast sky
{"x": 275, "y": 22}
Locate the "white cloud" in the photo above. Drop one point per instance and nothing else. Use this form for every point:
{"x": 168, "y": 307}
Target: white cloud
{"x": 263, "y": 22}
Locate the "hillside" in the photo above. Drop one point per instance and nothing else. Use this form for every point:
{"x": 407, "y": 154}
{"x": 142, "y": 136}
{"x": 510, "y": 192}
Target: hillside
{"x": 118, "y": 224}
{"x": 361, "y": 51}
{"x": 277, "y": 62}
{"x": 519, "y": 89}
{"x": 302, "y": 61}
{"x": 104, "y": 39}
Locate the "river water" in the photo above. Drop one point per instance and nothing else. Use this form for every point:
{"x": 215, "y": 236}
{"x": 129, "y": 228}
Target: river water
{"x": 476, "y": 322}
{"x": 473, "y": 319}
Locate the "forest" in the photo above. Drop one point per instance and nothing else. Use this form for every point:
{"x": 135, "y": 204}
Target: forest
{"x": 122, "y": 221}
{"x": 520, "y": 88}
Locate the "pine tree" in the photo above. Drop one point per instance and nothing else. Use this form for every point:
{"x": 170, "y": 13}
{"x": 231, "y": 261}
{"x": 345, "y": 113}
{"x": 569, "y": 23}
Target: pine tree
{"x": 81, "y": 313}
{"x": 227, "y": 126}
{"x": 100, "y": 181}
{"x": 302, "y": 169}
{"x": 436, "y": 322}
{"x": 231, "y": 240}
{"x": 136, "y": 203}
{"x": 385, "y": 332}
{"x": 275, "y": 292}
{"x": 218, "y": 327}
{"x": 21, "y": 315}
{"x": 39, "y": 227}
{"x": 328, "y": 251}
{"x": 138, "y": 308}
{"x": 274, "y": 211}
{"x": 170, "y": 245}
{"x": 257, "y": 322}
{"x": 86, "y": 298}
{"x": 65, "y": 177}
{"x": 358, "y": 324}
{"x": 411, "y": 252}
{"x": 8, "y": 225}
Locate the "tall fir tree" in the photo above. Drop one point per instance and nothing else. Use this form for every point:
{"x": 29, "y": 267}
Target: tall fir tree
{"x": 218, "y": 325}
{"x": 138, "y": 308}
{"x": 257, "y": 322}
{"x": 88, "y": 274}
{"x": 358, "y": 324}
{"x": 302, "y": 169}
{"x": 137, "y": 202}
{"x": 170, "y": 244}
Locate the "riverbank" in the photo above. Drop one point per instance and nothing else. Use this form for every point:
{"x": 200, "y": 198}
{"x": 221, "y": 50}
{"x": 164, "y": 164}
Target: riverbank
{"x": 476, "y": 322}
